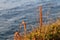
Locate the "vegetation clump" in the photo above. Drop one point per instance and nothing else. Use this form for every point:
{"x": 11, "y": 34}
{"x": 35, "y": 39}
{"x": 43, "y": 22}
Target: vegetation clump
{"x": 48, "y": 32}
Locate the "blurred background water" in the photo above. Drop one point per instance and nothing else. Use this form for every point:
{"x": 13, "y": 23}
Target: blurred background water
{"x": 12, "y": 12}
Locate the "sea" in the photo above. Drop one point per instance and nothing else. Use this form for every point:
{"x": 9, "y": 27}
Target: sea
{"x": 12, "y": 12}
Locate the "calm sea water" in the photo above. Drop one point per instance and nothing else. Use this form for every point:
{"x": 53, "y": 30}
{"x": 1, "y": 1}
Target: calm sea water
{"x": 11, "y": 17}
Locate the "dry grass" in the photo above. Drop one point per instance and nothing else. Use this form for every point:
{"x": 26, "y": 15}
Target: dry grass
{"x": 48, "y": 32}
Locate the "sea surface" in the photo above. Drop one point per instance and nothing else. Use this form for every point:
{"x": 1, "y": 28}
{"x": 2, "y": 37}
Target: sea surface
{"x": 12, "y": 12}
